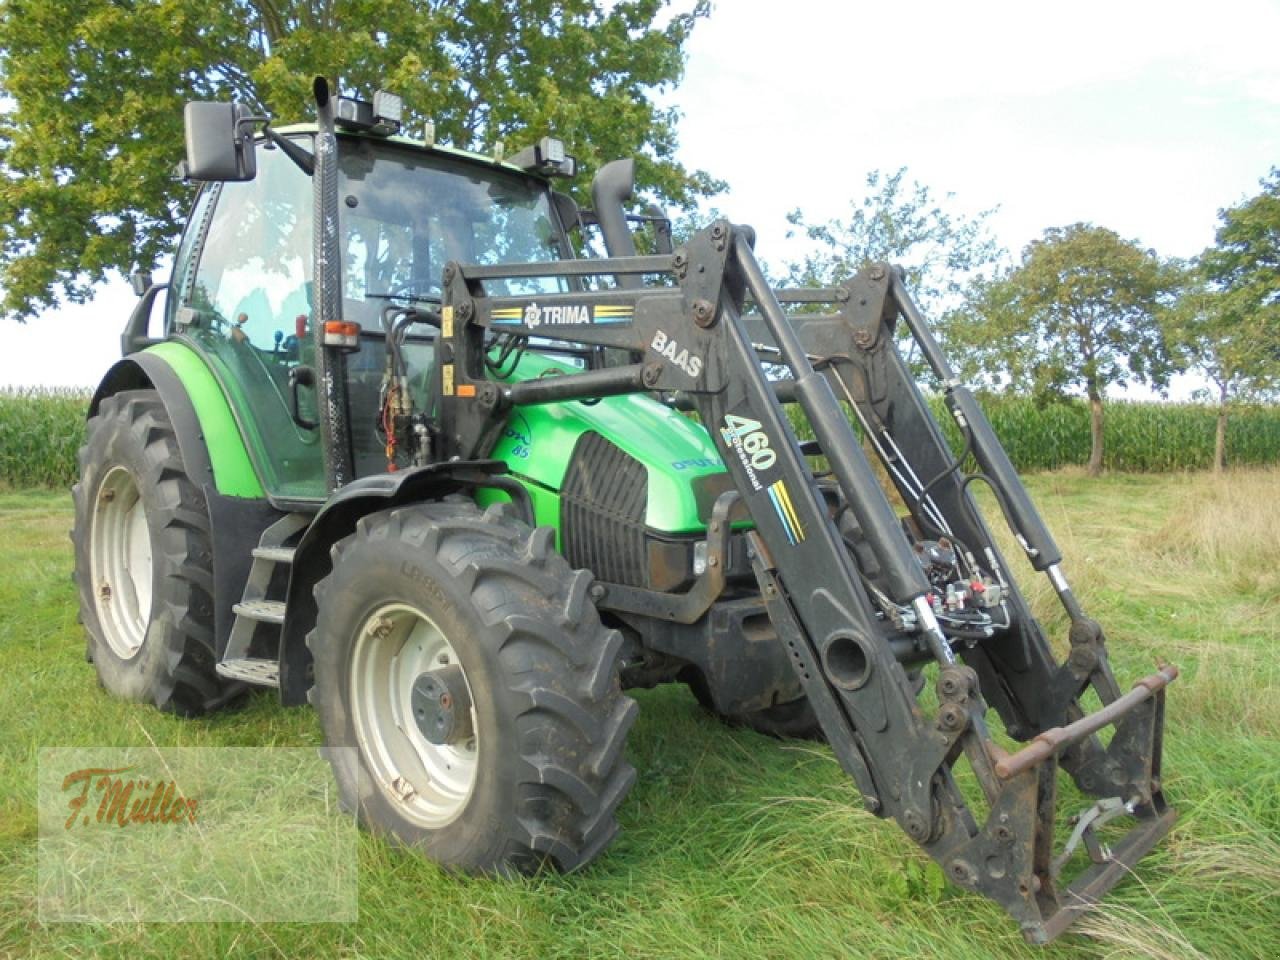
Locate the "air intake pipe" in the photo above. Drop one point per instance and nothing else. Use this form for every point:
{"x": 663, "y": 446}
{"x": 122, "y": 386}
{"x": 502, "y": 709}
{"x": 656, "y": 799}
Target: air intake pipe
{"x": 610, "y": 188}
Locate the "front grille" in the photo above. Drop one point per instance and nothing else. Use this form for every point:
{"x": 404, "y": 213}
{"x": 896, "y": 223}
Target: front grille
{"x": 602, "y": 512}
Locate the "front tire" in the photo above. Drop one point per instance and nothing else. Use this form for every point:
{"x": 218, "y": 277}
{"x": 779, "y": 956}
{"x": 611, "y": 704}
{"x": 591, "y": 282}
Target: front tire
{"x": 144, "y": 564}
{"x": 433, "y": 605}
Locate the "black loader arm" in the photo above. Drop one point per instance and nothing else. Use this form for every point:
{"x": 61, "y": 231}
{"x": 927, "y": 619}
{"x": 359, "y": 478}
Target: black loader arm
{"x": 861, "y": 598}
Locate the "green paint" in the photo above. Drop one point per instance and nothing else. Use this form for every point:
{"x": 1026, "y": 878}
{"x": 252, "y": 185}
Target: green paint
{"x": 233, "y": 473}
{"x": 539, "y": 441}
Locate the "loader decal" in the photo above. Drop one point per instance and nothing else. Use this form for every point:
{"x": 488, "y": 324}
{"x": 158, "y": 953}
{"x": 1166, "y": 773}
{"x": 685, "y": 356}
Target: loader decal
{"x": 781, "y": 499}
{"x": 562, "y": 314}
{"x": 751, "y": 444}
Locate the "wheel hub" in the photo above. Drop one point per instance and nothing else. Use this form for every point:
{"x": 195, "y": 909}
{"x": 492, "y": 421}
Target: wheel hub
{"x": 442, "y": 706}
{"x": 120, "y": 562}
{"x": 413, "y": 714}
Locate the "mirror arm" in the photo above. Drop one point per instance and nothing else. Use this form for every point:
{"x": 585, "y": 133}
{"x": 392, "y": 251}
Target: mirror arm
{"x": 135, "y": 336}
{"x": 304, "y": 161}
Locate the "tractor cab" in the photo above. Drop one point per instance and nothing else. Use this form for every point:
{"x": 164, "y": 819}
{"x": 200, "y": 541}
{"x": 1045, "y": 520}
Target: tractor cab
{"x": 243, "y": 291}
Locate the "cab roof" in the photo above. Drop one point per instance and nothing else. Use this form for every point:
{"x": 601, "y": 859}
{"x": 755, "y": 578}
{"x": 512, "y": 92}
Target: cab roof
{"x": 414, "y": 143}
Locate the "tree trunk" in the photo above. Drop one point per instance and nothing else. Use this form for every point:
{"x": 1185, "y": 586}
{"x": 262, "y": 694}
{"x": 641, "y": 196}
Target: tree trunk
{"x": 1095, "y": 431}
{"x": 1220, "y": 436}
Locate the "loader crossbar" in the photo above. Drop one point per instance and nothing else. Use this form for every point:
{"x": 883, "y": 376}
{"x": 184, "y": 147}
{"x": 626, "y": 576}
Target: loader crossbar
{"x": 842, "y": 576}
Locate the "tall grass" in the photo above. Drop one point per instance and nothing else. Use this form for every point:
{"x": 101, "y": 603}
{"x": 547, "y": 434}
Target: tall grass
{"x": 40, "y": 431}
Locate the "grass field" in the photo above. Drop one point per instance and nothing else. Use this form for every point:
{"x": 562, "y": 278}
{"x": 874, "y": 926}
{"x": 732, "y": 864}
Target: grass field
{"x": 734, "y": 845}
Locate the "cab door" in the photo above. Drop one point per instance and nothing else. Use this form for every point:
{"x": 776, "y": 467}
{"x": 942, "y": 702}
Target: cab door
{"x": 242, "y": 297}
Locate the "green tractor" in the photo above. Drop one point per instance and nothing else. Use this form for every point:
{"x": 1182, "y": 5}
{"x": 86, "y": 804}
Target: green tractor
{"x": 401, "y": 454}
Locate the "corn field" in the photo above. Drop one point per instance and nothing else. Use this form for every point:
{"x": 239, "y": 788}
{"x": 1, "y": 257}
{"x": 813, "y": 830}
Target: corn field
{"x": 1138, "y": 437}
{"x": 41, "y": 429}
{"x": 40, "y": 432}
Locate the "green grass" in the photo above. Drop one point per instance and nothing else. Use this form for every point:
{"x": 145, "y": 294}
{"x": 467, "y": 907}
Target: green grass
{"x": 734, "y": 845}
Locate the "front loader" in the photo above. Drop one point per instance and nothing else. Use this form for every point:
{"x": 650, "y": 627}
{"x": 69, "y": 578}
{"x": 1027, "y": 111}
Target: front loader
{"x": 401, "y": 454}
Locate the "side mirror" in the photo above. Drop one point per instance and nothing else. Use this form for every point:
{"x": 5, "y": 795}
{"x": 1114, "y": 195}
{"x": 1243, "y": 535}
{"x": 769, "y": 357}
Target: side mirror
{"x": 219, "y": 142}
{"x": 567, "y": 209}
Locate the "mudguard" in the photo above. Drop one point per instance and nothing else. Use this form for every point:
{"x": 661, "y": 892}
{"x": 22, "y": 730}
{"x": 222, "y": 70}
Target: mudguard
{"x": 209, "y": 439}
{"x": 338, "y": 519}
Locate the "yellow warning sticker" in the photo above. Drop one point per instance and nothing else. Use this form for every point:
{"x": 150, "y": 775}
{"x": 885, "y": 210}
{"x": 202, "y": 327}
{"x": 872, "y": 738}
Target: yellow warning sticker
{"x": 446, "y": 321}
{"x": 446, "y": 374}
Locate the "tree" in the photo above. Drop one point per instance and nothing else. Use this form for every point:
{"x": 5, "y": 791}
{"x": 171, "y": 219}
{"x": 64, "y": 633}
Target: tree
{"x": 96, "y": 89}
{"x": 941, "y": 251}
{"x": 1226, "y": 324}
{"x": 1236, "y": 354}
{"x": 1079, "y": 312}
{"x": 1244, "y": 261}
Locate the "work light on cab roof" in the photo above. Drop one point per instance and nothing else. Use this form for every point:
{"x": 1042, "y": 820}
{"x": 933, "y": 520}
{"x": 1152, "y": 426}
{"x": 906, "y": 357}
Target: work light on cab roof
{"x": 380, "y": 117}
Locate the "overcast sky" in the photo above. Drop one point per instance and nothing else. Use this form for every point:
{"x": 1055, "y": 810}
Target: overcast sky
{"x": 1142, "y": 117}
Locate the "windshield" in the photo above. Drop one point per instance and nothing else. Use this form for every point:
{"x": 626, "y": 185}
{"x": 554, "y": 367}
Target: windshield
{"x": 405, "y": 215}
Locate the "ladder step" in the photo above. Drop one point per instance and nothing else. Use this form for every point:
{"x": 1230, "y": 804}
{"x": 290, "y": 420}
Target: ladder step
{"x": 264, "y": 611}
{"x": 278, "y": 554}
{"x": 265, "y": 673}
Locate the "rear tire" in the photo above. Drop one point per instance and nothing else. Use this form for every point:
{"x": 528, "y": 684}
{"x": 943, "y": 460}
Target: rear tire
{"x": 537, "y": 772}
{"x": 144, "y": 564}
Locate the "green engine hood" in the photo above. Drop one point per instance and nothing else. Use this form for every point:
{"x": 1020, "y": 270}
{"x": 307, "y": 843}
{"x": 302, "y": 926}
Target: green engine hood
{"x": 675, "y": 450}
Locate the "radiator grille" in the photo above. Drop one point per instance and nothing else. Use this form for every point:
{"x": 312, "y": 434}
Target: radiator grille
{"x": 602, "y": 512}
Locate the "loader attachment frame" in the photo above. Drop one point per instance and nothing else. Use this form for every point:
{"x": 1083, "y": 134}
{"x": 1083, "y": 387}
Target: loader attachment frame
{"x": 836, "y": 566}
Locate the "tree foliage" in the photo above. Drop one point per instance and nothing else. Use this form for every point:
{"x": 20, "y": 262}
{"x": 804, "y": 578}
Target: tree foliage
{"x": 901, "y": 222}
{"x": 1226, "y": 324}
{"x": 96, "y": 88}
{"x": 1079, "y": 313}
{"x": 1244, "y": 262}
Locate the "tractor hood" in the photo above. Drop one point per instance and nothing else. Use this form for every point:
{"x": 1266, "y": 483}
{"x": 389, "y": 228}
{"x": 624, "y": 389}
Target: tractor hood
{"x": 675, "y": 450}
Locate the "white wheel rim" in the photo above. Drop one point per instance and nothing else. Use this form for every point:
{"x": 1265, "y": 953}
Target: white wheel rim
{"x": 120, "y": 563}
{"x": 428, "y": 783}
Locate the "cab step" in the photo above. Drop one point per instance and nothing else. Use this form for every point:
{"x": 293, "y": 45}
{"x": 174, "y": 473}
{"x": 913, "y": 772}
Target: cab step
{"x": 263, "y": 611}
{"x": 274, "y": 554}
{"x": 261, "y": 672}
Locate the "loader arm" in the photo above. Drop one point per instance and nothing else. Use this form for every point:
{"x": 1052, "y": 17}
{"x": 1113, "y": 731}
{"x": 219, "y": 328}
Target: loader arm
{"x": 841, "y": 574}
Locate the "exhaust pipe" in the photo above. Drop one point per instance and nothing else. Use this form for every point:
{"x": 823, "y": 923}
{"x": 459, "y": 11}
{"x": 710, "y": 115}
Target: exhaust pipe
{"x": 612, "y": 186}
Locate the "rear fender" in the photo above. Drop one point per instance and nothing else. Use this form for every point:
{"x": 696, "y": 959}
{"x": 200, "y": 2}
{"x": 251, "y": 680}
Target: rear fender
{"x": 209, "y": 439}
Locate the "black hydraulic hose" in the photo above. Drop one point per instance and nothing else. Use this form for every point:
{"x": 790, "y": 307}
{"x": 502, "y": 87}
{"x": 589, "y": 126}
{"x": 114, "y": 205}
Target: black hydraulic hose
{"x": 964, "y": 453}
{"x": 1020, "y": 512}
